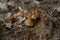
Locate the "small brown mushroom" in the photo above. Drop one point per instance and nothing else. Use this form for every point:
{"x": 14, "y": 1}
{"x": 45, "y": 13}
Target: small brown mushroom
{"x": 34, "y": 17}
{"x": 28, "y": 22}
{"x": 29, "y": 15}
{"x": 9, "y": 16}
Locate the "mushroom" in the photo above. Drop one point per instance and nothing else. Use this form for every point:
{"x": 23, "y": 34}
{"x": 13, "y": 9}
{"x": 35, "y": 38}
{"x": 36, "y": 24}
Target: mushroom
{"x": 10, "y": 17}
{"x": 28, "y": 22}
{"x": 34, "y": 17}
{"x": 29, "y": 15}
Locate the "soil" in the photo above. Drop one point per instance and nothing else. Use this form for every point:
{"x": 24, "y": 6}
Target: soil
{"x": 29, "y": 19}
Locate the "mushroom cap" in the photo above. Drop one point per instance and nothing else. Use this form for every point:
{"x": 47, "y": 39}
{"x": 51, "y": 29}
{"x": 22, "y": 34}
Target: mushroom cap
{"x": 34, "y": 17}
{"x": 28, "y": 22}
{"x": 28, "y": 16}
{"x": 9, "y": 16}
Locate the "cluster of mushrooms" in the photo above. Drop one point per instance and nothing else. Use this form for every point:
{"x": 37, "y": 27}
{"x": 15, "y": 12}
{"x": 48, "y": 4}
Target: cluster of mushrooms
{"x": 31, "y": 16}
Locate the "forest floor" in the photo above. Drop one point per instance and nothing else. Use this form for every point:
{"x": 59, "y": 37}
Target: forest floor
{"x": 29, "y": 19}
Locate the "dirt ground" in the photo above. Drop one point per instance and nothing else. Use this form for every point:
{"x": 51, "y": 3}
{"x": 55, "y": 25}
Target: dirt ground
{"x": 29, "y": 19}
